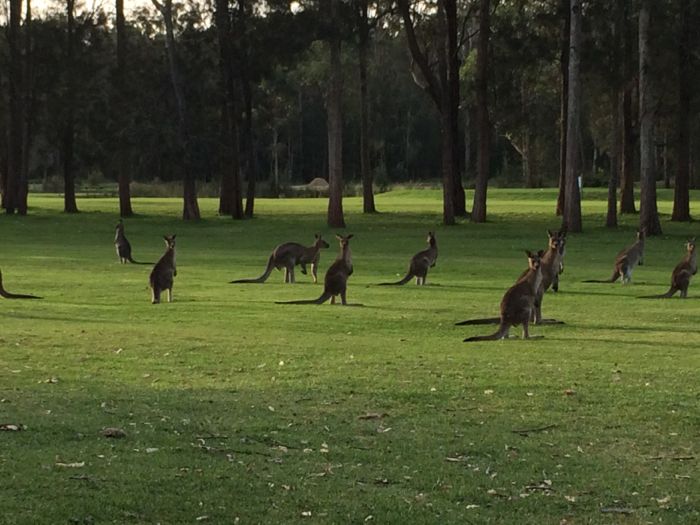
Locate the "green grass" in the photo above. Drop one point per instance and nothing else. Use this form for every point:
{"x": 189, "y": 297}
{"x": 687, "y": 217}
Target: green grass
{"x": 254, "y": 407}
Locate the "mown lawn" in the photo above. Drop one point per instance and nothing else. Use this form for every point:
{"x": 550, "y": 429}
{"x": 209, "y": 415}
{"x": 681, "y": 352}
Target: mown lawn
{"x": 238, "y": 410}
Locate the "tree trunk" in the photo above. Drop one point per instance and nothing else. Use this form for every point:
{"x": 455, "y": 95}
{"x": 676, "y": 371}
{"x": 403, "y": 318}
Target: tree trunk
{"x": 368, "y": 205}
{"x": 123, "y": 177}
{"x": 223, "y": 30}
{"x": 335, "y": 125}
{"x": 615, "y": 147}
{"x": 27, "y": 110}
{"x": 681, "y": 194}
{"x": 648, "y": 214}
{"x": 453, "y": 64}
{"x": 14, "y": 148}
{"x": 565, "y": 37}
{"x": 482, "y": 113}
{"x": 190, "y": 206}
{"x": 572, "y": 200}
{"x": 69, "y": 203}
{"x": 249, "y": 147}
{"x": 628, "y": 139}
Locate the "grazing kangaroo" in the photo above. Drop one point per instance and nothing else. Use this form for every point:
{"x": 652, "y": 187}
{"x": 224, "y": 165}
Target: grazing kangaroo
{"x": 562, "y": 252}
{"x": 121, "y": 243}
{"x": 7, "y": 295}
{"x": 420, "y": 263}
{"x": 682, "y": 273}
{"x": 336, "y": 279}
{"x": 287, "y": 256}
{"x": 626, "y": 260}
{"x": 163, "y": 272}
{"x": 518, "y": 303}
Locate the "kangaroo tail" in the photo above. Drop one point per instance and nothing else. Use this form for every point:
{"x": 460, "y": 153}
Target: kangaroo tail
{"x": 324, "y": 297}
{"x": 407, "y": 278}
{"x": 486, "y": 320}
{"x": 666, "y": 295}
{"x": 501, "y": 333}
{"x": 262, "y": 278}
{"x": 132, "y": 261}
{"x": 7, "y": 295}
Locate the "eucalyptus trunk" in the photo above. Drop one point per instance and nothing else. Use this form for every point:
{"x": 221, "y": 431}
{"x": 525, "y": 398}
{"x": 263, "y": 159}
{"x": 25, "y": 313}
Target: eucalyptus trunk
{"x": 681, "y": 193}
{"x": 564, "y": 40}
{"x": 123, "y": 177}
{"x": 12, "y": 181}
{"x": 69, "y": 203}
{"x": 335, "y": 125}
{"x": 482, "y": 113}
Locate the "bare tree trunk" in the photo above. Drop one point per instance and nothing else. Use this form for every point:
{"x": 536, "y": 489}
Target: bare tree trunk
{"x": 335, "y": 125}
{"x": 452, "y": 92}
{"x": 249, "y": 147}
{"x": 27, "y": 110}
{"x": 572, "y": 201}
{"x": 681, "y": 194}
{"x": 368, "y": 205}
{"x": 615, "y": 147}
{"x": 69, "y": 203}
{"x": 123, "y": 177}
{"x": 190, "y": 206}
{"x": 648, "y": 214}
{"x": 14, "y": 148}
{"x": 565, "y": 37}
{"x": 628, "y": 139}
{"x": 482, "y": 113}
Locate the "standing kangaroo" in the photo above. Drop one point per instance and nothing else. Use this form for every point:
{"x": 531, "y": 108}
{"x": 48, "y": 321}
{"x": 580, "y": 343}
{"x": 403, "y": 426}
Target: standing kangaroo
{"x": 336, "y": 279}
{"x": 626, "y": 260}
{"x": 682, "y": 273}
{"x": 163, "y": 272}
{"x": 7, "y": 295}
{"x": 121, "y": 243}
{"x": 518, "y": 303}
{"x": 420, "y": 263}
{"x": 287, "y": 256}
{"x": 562, "y": 252}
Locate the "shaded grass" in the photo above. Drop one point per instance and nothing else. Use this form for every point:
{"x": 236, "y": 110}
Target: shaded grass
{"x": 254, "y": 407}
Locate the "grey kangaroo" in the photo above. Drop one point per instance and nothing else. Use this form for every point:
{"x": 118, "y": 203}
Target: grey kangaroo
{"x": 121, "y": 243}
{"x": 562, "y": 252}
{"x": 163, "y": 272}
{"x": 626, "y": 260}
{"x": 7, "y": 295}
{"x": 336, "y": 279}
{"x": 518, "y": 303}
{"x": 287, "y": 256}
{"x": 420, "y": 263}
{"x": 682, "y": 273}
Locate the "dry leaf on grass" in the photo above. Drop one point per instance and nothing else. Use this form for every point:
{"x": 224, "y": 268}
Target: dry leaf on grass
{"x": 373, "y": 415}
{"x": 71, "y": 465}
{"x": 11, "y": 427}
{"x": 113, "y": 432}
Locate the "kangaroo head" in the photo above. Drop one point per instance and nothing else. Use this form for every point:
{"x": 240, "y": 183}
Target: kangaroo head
{"x": 169, "y": 241}
{"x": 534, "y": 259}
{"x": 344, "y": 240}
{"x": 690, "y": 245}
{"x": 320, "y": 243}
{"x": 641, "y": 234}
{"x": 431, "y": 240}
{"x": 555, "y": 240}
{"x": 120, "y": 226}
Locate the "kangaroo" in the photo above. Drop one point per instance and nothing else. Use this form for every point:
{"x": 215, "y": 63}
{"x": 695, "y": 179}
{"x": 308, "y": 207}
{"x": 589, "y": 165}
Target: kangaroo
{"x": 121, "y": 243}
{"x": 682, "y": 273}
{"x": 163, "y": 272}
{"x": 7, "y": 295}
{"x": 518, "y": 303}
{"x": 626, "y": 260}
{"x": 420, "y": 263}
{"x": 287, "y": 256}
{"x": 336, "y": 279}
{"x": 562, "y": 252}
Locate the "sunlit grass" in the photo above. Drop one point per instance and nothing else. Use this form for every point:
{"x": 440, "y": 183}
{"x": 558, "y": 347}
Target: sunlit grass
{"x": 239, "y": 408}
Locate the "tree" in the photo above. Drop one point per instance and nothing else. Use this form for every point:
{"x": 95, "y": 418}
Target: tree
{"x": 628, "y": 138}
{"x": 123, "y": 178}
{"x": 572, "y": 200}
{"x": 334, "y": 102}
{"x": 681, "y": 195}
{"x": 565, "y": 42}
{"x": 190, "y": 207}
{"x": 648, "y": 214}
{"x": 368, "y": 205}
{"x": 482, "y": 113}
{"x": 12, "y": 187}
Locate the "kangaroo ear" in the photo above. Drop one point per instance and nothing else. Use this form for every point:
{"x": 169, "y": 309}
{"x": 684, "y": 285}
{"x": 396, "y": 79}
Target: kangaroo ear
{"x": 540, "y": 253}
{"x": 317, "y": 236}
{"x": 550, "y": 233}
{"x": 349, "y": 237}
{"x": 339, "y": 237}
{"x": 528, "y": 253}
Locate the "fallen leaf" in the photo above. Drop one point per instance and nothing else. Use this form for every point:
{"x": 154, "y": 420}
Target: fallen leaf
{"x": 373, "y": 415}
{"x": 71, "y": 465}
{"x": 113, "y": 432}
{"x": 11, "y": 427}
{"x": 306, "y": 513}
{"x": 151, "y": 450}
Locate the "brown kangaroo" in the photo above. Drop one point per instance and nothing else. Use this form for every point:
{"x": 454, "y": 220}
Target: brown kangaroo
{"x": 420, "y": 263}
{"x": 626, "y": 260}
{"x": 7, "y": 295}
{"x": 163, "y": 272}
{"x": 287, "y": 256}
{"x": 336, "y": 279}
{"x": 562, "y": 252}
{"x": 518, "y": 303}
{"x": 682, "y": 273}
{"x": 121, "y": 243}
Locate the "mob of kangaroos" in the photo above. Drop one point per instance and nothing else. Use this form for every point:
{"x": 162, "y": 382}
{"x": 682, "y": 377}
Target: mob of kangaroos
{"x": 161, "y": 277}
{"x": 287, "y": 256}
{"x": 336, "y": 279}
{"x": 626, "y": 260}
{"x": 121, "y": 243}
{"x": 682, "y": 273}
{"x": 7, "y": 295}
{"x": 420, "y": 263}
{"x": 518, "y": 303}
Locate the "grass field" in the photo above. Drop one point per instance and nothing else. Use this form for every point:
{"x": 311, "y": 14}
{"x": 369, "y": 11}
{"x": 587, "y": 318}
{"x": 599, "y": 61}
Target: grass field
{"x": 238, "y": 410}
